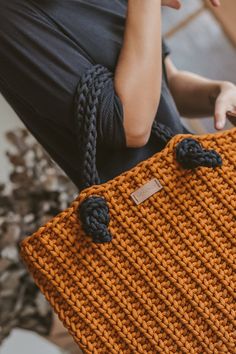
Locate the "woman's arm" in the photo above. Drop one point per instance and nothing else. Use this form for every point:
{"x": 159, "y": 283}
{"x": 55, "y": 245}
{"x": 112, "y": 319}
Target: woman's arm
{"x": 194, "y": 95}
{"x": 197, "y": 96}
{"x": 140, "y": 57}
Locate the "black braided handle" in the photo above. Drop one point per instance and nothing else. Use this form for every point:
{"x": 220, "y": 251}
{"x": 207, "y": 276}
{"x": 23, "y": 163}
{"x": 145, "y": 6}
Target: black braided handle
{"x": 189, "y": 152}
{"x": 94, "y": 211}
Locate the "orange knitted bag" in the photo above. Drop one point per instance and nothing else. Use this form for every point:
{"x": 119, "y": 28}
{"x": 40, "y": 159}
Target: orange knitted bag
{"x": 145, "y": 262}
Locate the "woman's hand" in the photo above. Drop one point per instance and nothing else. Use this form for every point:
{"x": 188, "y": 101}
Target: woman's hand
{"x": 176, "y": 4}
{"x": 225, "y": 101}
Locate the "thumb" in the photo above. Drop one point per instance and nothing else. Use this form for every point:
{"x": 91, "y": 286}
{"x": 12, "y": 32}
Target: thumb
{"x": 219, "y": 115}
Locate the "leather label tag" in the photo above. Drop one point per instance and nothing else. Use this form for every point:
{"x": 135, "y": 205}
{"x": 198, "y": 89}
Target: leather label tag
{"x": 146, "y": 190}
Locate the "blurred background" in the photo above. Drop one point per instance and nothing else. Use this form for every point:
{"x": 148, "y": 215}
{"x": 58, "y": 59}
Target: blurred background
{"x": 202, "y": 40}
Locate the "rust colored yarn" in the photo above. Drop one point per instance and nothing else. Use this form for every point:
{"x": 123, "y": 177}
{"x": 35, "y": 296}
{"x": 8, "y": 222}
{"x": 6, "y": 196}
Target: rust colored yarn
{"x": 166, "y": 281}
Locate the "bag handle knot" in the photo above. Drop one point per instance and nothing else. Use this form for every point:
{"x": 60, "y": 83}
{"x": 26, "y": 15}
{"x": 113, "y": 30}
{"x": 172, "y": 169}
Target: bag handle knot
{"x": 190, "y": 154}
{"x": 94, "y": 216}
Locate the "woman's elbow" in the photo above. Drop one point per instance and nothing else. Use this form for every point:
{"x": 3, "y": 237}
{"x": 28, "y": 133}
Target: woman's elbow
{"x": 136, "y": 140}
{"x": 139, "y": 111}
{"x": 138, "y": 126}
{"x": 138, "y": 133}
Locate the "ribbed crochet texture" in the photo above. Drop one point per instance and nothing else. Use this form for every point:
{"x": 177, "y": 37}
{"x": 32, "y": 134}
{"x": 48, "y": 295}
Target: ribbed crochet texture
{"x": 166, "y": 281}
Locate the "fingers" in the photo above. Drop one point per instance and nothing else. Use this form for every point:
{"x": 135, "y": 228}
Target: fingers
{"x": 220, "y": 114}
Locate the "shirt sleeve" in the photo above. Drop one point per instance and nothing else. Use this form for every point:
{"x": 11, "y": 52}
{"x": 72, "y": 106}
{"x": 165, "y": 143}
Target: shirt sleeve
{"x": 110, "y": 128}
{"x": 96, "y": 97}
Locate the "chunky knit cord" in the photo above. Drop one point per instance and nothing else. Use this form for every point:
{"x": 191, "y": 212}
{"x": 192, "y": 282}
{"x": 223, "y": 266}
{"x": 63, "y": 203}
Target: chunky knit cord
{"x": 86, "y": 101}
{"x": 189, "y": 153}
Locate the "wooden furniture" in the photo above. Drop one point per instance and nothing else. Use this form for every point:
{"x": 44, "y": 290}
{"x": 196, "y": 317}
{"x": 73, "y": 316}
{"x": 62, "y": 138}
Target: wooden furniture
{"x": 226, "y": 16}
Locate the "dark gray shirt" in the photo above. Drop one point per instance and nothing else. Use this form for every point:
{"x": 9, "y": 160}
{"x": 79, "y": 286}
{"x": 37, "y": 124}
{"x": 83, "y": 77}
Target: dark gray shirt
{"x": 45, "y": 48}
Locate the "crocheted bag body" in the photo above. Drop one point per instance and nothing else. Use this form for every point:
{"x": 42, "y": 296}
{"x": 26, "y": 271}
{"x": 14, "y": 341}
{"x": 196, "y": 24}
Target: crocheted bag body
{"x": 165, "y": 283}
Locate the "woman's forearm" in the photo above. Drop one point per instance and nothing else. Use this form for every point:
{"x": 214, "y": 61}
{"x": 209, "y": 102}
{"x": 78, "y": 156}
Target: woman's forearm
{"x": 138, "y": 71}
{"x": 193, "y": 94}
